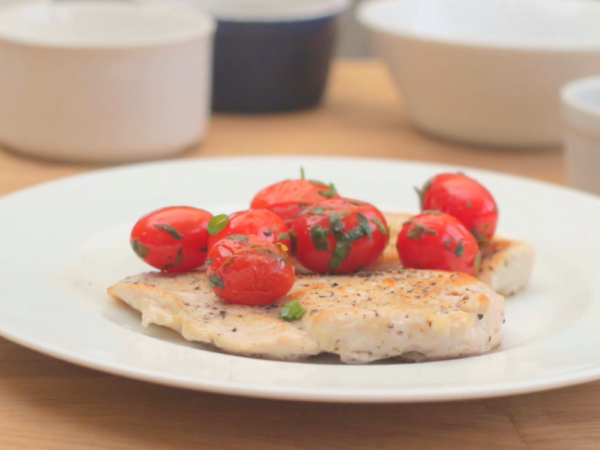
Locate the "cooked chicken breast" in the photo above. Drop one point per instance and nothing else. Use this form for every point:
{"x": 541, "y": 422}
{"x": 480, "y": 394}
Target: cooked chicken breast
{"x": 396, "y": 313}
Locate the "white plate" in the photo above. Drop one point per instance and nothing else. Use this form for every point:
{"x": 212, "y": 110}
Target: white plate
{"x": 63, "y": 243}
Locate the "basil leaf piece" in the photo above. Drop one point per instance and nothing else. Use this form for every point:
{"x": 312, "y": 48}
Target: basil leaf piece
{"x": 283, "y": 236}
{"x": 218, "y": 224}
{"x": 177, "y": 262}
{"x": 215, "y": 281}
{"x": 422, "y": 192}
{"x": 292, "y": 311}
{"x": 169, "y": 229}
{"x": 384, "y": 230}
{"x": 330, "y": 192}
{"x": 294, "y": 241}
{"x": 341, "y": 252}
{"x": 140, "y": 249}
{"x": 302, "y": 175}
{"x": 268, "y": 232}
{"x": 477, "y": 264}
{"x": 418, "y": 231}
{"x": 460, "y": 249}
{"x": 239, "y": 238}
{"x": 319, "y": 210}
{"x": 318, "y": 235}
{"x": 354, "y": 235}
{"x": 364, "y": 224}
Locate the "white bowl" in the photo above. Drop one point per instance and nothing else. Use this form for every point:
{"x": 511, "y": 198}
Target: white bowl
{"x": 581, "y": 111}
{"x": 100, "y": 81}
{"x": 486, "y": 71}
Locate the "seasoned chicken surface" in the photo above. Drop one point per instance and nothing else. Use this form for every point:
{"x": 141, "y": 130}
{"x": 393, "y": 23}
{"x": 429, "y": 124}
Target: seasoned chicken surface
{"x": 409, "y": 314}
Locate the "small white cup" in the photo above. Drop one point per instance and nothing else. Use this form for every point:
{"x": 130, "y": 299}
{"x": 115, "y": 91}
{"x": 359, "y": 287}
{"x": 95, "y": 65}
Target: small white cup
{"x": 581, "y": 112}
{"x": 104, "y": 82}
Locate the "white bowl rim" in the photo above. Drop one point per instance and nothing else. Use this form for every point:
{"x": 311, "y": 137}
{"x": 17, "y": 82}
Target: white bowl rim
{"x": 271, "y": 10}
{"x": 362, "y": 15}
{"x": 204, "y": 26}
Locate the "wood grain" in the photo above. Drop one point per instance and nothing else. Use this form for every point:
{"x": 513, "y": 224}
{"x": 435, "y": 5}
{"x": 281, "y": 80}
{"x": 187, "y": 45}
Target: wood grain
{"x": 48, "y": 404}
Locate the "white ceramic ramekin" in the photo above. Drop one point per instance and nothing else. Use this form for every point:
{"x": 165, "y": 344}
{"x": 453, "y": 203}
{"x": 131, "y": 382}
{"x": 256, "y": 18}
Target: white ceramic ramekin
{"x": 486, "y": 72}
{"x": 581, "y": 112}
{"x": 103, "y": 81}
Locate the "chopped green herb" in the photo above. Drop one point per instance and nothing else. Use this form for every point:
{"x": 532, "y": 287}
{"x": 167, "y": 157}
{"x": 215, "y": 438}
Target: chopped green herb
{"x": 421, "y": 193}
{"x": 459, "y": 250}
{"x": 268, "y": 232}
{"x": 318, "y": 235}
{"x": 292, "y": 311}
{"x": 469, "y": 205}
{"x": 319, "y": 211}
{"x": 380, "y": 225}
{"x": 293, "y": 240}
{"x": 418, "y": 231}
{"x": 302, "y": 175}
{"x": 204, "y": 249}
{"x": 283, "y": 236}
{"x": 169, "y": 229}
{"x": 330, "y": 192}
{"x": 341, "y": 252}
{"x": 364, "y": 224}
{"x": 215, "y": 281}
{"x": 217, "y": 224}
{"x": 177, "y": 262}
{"x": 481, "y": 239}
{"x": 477, "y": 264}
{"x": 140, "y": 249}
{"x": 208, "y": 262}
{"x": 317, "y": 183}
{"x": 354, "y": 235}
{"x": 417, "y": 264}
{"x": 337, "y": 226}
{"x": 239, "y": 238}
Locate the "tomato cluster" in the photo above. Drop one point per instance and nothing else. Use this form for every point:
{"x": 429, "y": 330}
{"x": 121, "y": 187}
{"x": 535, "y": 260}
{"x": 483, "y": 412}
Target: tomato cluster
{"x": 458, "y": 218}
{"x": 248, "y": 253}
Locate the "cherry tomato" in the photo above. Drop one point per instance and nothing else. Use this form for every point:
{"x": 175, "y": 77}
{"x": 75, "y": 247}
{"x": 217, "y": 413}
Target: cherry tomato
{"x": 466, "y": 199}
{"x": 248, "y": 270}
{"x": 256, "y": 222}
{"x": 438, "y": 241}
{"x": 172, "y": 239}
{"x": 289, "y": 198}
{"x": 340, "y": 236}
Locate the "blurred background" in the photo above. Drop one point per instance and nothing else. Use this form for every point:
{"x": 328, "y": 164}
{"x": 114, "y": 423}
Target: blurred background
{"x": 353, "y": 40}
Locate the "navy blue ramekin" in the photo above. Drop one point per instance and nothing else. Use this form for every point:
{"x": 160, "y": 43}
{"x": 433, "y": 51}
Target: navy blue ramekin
{"x": 274, "y": 64}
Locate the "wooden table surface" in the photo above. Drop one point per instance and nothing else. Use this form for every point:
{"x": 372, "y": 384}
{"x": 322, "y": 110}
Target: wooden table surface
{"x": 49, "y": 404}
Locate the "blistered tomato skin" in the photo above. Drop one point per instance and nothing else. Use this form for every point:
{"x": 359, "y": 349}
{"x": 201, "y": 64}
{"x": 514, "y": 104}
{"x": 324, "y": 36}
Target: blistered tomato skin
{"x": 289, "y": 198}
{"x": 257, "y": 222}
{"x": 247, "y": 270}
{"x": 172, "y": 239}
{"x": 340, "y": 236}
{"x": 438, "y": 241}
{"x": 465, "y": 199}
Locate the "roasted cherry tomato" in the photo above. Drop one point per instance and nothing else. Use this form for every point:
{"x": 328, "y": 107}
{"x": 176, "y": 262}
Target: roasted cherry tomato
{"x": 172, "y": 239}
{"x": 289, "y": 198}
{"x": 464, "y": 198}
{"x": 257, "y": 222}
{"x": 248, "y": 270}
{"x": 340, "y": 236}
{"x": 438, "y": 241}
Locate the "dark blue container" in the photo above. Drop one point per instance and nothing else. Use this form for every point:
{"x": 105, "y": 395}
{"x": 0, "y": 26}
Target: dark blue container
{"x": 272, "y": 66}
